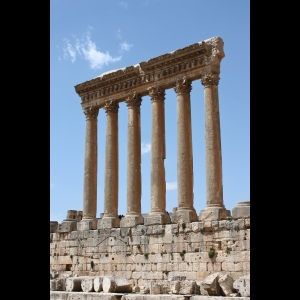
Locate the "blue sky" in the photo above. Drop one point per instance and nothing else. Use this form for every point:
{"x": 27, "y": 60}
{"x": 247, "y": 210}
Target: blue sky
{"x": 90, "y": 37}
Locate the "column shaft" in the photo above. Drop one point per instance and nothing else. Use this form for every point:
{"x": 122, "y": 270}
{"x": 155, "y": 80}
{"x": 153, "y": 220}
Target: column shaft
{"x": 184, "y": 146}
{"x": 158, "y": 214}
{"x": 215, "y": 209}
{"x": 133, "y": 215}
{"x": 111, "y": 181}
{"x": 90, "y": 165}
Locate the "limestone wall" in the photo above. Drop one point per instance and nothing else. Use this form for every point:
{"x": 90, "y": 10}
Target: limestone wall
{"x": 155, "y": 252}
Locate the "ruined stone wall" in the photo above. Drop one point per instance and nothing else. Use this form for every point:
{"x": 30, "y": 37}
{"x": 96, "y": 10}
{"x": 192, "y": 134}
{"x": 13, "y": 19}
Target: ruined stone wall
{"x": 155, "y": 252}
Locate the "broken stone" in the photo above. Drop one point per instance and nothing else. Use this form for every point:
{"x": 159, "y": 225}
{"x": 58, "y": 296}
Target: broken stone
{"x": 115, "y": 284}
{"x": 98, "y": 284}
{"x": 226, "y": 284}
{"x": 87, "y": 284}
{"x": 211, "y": 285}
{"x": 144, "y": 290}
{"x": 74, "y": 283}
{"x": 242, "y": 285}
{"x": 58, "y": 284}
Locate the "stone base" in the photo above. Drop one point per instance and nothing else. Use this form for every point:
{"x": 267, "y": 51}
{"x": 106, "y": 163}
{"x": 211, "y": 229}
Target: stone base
{"x": 241, "y": 210}
{"x": 183, "y": 216}
{"x": 67, "y": 226}
{"x": 131, "y": 221}
{"x": 159, "y": 218}
{"x": 53, "y": 226}
{"x": 214, "y": 214}
{"x": 87, "y": 224}
{"x": 108, "y": 222}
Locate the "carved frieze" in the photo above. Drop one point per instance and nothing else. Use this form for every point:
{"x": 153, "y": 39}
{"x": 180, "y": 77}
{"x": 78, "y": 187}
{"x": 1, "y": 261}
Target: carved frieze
{"x": 192, "y": 61}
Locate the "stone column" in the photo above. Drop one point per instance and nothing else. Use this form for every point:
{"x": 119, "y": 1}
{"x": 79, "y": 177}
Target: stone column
{"x": 185, "y": 211}
{"x": 90, "y": 170}
{"x": 133, "y": 216}
{"x": 215, "y": 209}
{"x": 110, "y": 218}
{"x": 158, "y": 214}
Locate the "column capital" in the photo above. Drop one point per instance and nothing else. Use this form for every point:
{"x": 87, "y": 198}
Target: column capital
{"x": 91, "y": 112}
{"x": 208, "y": 79}
{"x": 133, "y": 100}
{"x": 111, "y": 107}
{"x": 183, "y": 86}
{"x": 156, "y": 93}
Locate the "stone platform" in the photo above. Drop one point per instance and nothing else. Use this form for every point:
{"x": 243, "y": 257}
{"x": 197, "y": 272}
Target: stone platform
{"x": 55, "y": 295}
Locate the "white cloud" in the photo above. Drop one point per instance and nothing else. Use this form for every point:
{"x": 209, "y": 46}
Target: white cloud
{"x": 125, "y": 46}
{"x": 51, "y": 185}
{"x": 145, "y": 148}
{"x": 124, "y": 4}
{"x": 87, "y": 49}
{"x": 171, "y": 186}
{"x": 69, "y": 50}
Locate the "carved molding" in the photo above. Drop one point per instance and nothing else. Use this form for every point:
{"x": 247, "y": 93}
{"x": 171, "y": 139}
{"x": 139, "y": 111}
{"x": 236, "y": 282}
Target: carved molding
{"x": 133, "y": 100}
{"x": 208, "y": 79}
{"x": 183, "y": 86}
{"x": 91, "y": 112}
{"x": 111, "y": 107}
{"x": 191, "y": 61}
{"x": 156, "y": 93}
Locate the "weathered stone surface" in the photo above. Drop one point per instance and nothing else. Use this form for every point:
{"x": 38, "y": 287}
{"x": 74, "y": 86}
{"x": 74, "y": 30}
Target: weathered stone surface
{"x": 144, "y": 289}
{"x": 98, "y": 284}
{"x": 242, "y": 285}
{"x": 74, "y": 283}
{"x": 211, "y": 285}
{"x": 53, "y": 226}
{"x": 58, "y": 284}
{"x": 226, "y": 284}
{"x": 87, "y": 284}
{"x": 241, "y": 210}
{"x": 115, "y": 284}
{"x": 84, "y": 296}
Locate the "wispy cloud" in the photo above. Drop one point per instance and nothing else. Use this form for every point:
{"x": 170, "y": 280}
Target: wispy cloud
{"x": 171, "y": 186}
{"x": 87, "y": 49}
{"x": 145, "y": 148}
{"x": 51, "y": 186}
{"x": 69, "y": 50}
{"x": 124, "y": 4}
{"x": 124, "y": 46}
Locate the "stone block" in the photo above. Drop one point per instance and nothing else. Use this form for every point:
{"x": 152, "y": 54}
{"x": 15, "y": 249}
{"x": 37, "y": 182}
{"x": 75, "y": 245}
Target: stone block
{"x": 53, "y": 226}
{"x": 183, "y": 216}
{"x": 87, "y": 225}
{"x": 156, "y": 219}
{"x": 211, "y": 285}
{"x": 214, "y": 214}
{"x": 242, "y": 285}
{"x": 108, "y": 222}
{"x": 241, "y": 210}
{"x": 67, "y": 226}
{"x": 226, "y": 284}
{"x": 131, "y": 221}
